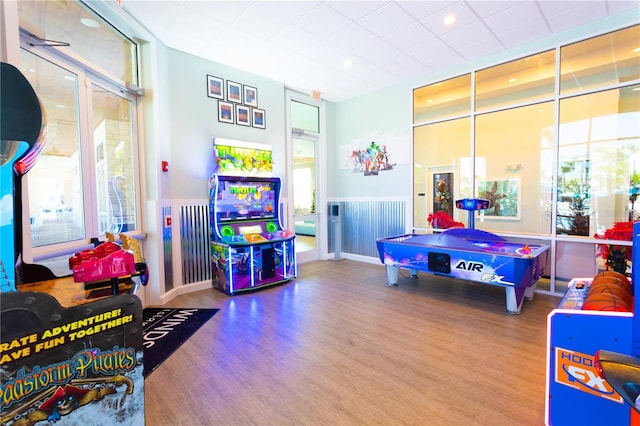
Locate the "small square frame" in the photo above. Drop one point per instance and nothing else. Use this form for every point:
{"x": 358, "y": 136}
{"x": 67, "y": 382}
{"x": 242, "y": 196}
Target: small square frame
{"x": 215, "y": 87}
{"x": 234, "y": 92}
{"x": 258, "y": 118}
{"x": 243, "y": 115}
{"x": 250, "y": 96}
{"x": 225, "y": 112}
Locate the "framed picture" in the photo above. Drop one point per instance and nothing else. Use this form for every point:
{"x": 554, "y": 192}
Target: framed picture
{"x": 225, "y": 112}
{"x": 234, "y": 92}
{"x": 243, "y": 117}
{"x": 504, "y": 195}
{"x": 250, "y": 96}
{"x": 258, "y": 118}
{"x": 215, "y": 87}
{"x": 442, "y": 185}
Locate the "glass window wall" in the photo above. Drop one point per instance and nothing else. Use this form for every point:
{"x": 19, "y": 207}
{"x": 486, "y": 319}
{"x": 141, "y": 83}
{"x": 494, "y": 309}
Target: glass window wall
{"x": 525, "y": 80}
{"x": 443, "y": 170}
{"x": 514, "y": 168}
{"x": 443, "y": 100}
{"x": 562, "y": 167}
{"x": 602, "y": 61}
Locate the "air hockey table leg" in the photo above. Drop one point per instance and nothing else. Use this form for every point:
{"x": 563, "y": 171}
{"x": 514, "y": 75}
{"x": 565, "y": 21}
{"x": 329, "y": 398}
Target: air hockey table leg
{"x": 393, "y": 272}
{"x": 530, "y": 291}
{"x": 515, "y": 296}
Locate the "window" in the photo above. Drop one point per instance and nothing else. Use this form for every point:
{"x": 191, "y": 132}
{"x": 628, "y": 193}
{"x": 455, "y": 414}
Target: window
{"x": 85, "y": 182}
{"x": 600, "y": 62}
{"x": 599, "y": 154}
{"x": 554, "y": 146}
{"x": 521, "y": 81}
{"x": 445, "y": 99}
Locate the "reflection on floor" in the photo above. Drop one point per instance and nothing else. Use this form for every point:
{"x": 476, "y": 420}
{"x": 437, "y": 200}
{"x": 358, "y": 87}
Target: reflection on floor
{"x": 305, "y": 243}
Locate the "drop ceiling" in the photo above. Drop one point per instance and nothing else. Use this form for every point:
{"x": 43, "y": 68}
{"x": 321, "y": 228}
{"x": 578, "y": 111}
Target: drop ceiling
{"x": 344, "y": 49}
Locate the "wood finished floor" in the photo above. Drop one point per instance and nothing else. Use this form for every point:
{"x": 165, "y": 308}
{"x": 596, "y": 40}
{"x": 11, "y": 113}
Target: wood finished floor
{"x": 337, "y": 346}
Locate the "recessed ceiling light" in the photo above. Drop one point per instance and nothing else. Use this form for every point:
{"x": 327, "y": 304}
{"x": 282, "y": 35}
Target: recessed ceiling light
{"x": 449, "y": 19}
{"x": 90, "y": 23}
{"x": 347, "y": 64}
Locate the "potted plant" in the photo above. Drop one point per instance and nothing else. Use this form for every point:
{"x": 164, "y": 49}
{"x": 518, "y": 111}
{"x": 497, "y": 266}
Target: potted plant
{"x": 617, "y": 257}
{"x": 442, "y": 220}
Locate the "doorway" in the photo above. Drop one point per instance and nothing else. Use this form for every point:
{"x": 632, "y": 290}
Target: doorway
{"x": 305, "y": 186}
{"x": 305, "y": 212}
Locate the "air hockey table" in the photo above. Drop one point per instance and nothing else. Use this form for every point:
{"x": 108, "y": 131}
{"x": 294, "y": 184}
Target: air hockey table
{"x": 467, "y": 254}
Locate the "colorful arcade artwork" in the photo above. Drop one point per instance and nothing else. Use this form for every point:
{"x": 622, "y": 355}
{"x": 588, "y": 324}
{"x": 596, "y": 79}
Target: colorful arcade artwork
{"x": 235, "y": 158}
{"x": 73, "y": 365}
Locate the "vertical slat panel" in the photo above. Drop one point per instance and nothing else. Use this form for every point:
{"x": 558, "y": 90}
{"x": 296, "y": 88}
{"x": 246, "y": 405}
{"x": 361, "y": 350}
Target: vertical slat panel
{"x": 194, "y": 237}
{"x": 365, "y": 221}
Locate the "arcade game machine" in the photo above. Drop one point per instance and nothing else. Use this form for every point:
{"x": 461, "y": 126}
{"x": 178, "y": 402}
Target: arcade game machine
{"x": 75, "y": 364}
{"x": 595, "y": 327}
{"x": 23, "y": 136}
{"x": 250, "y": 249}
{"x": 469, "y": 254}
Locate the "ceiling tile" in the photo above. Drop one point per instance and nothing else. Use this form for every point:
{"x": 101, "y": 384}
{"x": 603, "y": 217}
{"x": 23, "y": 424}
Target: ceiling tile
{"x": 385, "y": 20}
{"x": 524, "y": 34}
{"x": 409, "y": 36}
{"x": 473, "y": 33}
{"x": 428, "y": 49}
{"x": 513, "y": 18}
{"x": 156, "y": 19}
{"x": 617, "y": 6}
{"x": 485, "y": 47}
{"x": 491, "y": 7}
{"x": 262, "y": 25}
{"x": 288, "y": 11}
{"x": 351, "y": 38}
{"x": 464, "y": 16}
{"x": 421, "y": 9}
{"x": 322, "y": 21}
{"x": 221, "y": 11}
{"x": 355, "y": 10}
{"x": 577, "y": 16}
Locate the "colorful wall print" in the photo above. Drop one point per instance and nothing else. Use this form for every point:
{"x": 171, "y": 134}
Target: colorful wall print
{"x": 371, "y": 159}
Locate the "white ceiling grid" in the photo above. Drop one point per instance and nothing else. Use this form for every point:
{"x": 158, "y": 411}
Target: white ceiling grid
{"x": 305, "y": 43}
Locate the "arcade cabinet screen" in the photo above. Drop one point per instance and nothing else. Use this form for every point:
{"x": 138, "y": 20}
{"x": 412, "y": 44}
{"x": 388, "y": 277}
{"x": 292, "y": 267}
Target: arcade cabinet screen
{"x": 240, "y": 200}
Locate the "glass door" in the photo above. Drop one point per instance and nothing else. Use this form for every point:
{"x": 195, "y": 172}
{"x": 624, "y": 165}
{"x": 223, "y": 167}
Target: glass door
{"x": 305, "y": 213}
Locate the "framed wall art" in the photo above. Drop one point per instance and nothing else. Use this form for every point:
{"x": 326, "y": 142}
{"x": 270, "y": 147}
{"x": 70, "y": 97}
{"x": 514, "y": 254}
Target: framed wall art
{"x": 258, "y": 118}
{"x": 225, "y": 112}
{"x": 234, "y": 92}
{"x": 250, "y": 96}
{"x": 243, "y": 117}
{"x": 504, "y": 196}
{"x": 215, "y": 87}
